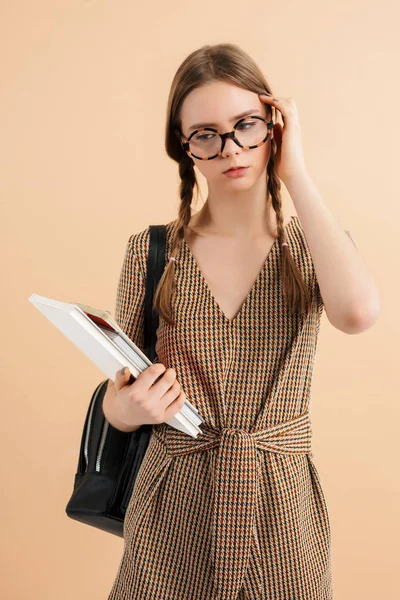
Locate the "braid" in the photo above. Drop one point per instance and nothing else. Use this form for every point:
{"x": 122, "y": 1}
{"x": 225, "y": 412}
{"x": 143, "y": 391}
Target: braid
{"x": 162, "y": 299}
{"x": 294, "y": 288}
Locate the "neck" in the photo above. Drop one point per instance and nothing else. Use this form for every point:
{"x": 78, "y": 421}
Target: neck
{"x": 245, "y": 214}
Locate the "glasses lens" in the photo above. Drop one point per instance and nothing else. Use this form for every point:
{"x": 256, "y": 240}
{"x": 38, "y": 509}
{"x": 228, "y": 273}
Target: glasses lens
{"x": 249, "y": 132}
{"x": 205, "y": 144}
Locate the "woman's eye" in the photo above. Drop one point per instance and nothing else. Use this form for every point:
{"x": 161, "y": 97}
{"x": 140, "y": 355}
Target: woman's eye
{"x": 248, "y": 125}
{"x": 205, "y": 136}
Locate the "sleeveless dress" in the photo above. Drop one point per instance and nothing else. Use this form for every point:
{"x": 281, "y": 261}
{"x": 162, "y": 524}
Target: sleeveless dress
{"x": 239, "y": 511}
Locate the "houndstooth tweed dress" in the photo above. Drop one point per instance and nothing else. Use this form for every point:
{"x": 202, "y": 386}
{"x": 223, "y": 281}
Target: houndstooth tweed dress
{"x": 239, "y": 512}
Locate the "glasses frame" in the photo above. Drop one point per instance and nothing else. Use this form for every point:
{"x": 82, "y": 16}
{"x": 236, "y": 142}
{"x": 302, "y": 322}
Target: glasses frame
{"x": 225, "y": 136}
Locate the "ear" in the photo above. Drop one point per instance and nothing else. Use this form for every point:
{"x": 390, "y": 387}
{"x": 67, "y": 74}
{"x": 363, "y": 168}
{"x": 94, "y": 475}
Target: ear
{"x": 272, "y": 131}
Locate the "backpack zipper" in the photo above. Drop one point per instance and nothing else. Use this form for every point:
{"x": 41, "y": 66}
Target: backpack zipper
{"x": 101, "y": 445}
{"x": 86, "y": 446}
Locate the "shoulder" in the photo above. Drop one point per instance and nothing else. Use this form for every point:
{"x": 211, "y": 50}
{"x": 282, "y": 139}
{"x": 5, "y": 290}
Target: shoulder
{"x": 300, "y": 250}
{"x": 139, "y": 243}
{"x": 297, "y": 238}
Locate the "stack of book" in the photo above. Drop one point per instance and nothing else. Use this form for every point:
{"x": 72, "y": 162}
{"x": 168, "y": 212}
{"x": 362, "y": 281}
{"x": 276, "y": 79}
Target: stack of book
{"x": 98, "y": 336}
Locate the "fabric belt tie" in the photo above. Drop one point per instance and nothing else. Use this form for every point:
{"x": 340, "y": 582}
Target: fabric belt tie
{"x": 236, "y": 479}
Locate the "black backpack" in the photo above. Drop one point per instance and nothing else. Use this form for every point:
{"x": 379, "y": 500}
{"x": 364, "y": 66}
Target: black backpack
{"x": 109, "y": 459}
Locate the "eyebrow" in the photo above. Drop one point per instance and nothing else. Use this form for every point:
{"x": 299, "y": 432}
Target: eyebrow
{"x": 244, "y": 114}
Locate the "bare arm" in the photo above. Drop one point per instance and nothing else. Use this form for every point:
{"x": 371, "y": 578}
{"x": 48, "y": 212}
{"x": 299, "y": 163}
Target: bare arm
{"x": 349, "y": 293}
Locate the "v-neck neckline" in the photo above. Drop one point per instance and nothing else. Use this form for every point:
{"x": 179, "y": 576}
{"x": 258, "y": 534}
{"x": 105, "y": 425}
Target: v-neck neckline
{"x": 255, "y": 283}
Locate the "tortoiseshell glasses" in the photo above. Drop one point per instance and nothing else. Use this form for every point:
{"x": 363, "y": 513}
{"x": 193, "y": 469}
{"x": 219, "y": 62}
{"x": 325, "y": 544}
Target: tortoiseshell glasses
{"x": 208, "y": 143}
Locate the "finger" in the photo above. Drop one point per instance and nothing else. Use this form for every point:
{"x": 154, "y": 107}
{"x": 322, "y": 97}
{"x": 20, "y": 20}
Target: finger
{"x": 268, "y": 97}
{"x": 151, "y": 375}
{"x": 122, "y": 378}
{"x": 275, "y": 102}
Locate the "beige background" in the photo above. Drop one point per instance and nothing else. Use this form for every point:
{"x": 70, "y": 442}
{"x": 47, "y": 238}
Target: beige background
{"x": 84, "y": 86}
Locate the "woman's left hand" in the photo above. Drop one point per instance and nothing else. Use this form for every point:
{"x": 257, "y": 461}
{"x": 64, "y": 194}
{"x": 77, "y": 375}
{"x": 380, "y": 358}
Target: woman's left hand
{"x": 289, "y": 158}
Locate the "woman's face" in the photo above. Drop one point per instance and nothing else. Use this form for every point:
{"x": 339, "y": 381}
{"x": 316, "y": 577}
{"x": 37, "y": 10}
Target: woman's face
{"x": 217, "y": 105}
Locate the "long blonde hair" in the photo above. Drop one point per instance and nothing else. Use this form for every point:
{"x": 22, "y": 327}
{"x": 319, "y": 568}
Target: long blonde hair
{"x": 228, "y": 63}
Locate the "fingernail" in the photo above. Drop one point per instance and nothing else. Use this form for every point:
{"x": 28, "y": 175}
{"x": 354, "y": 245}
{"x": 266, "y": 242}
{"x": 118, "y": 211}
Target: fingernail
{"x": 123, "y": 371}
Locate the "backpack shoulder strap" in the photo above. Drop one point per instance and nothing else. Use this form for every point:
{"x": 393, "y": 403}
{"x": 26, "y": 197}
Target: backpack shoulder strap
{"x": 155, "y": 269}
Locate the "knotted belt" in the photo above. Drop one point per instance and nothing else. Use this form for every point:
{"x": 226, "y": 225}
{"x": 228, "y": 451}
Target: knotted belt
{"x": 235, "y": 475}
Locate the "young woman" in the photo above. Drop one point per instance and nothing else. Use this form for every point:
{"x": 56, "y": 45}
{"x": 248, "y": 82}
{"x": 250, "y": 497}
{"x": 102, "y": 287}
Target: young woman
{"x": 237, "y": 512}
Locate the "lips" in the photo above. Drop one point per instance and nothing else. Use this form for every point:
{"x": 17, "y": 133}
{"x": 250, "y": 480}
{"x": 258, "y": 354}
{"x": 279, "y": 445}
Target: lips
{"x": 234, "y": 168}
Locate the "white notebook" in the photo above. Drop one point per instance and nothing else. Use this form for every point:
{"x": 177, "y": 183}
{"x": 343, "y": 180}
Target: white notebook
{"x": 98, "y": 336}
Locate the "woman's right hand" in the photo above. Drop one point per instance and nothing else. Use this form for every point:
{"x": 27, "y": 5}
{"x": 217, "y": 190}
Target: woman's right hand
{"x": 144, "y": 401}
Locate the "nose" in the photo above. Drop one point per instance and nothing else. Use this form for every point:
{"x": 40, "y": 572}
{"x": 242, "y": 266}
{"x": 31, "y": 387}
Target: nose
{"x": 231, "y": 147}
